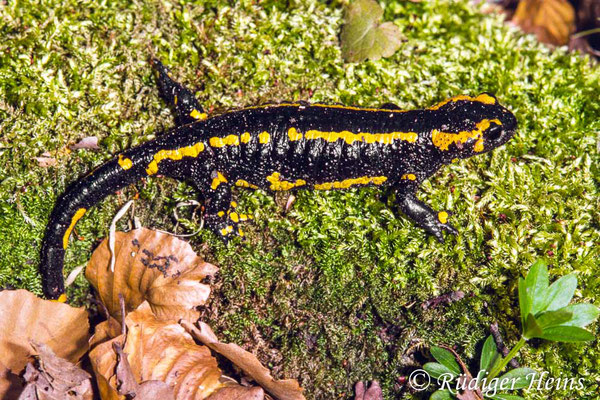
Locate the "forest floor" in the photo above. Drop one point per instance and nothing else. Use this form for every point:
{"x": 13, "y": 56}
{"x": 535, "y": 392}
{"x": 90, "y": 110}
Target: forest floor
{"x": 330, "y": 292}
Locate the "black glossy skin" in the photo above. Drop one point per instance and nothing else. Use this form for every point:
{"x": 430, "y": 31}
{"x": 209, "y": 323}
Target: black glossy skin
{"x": 192, "y": 152}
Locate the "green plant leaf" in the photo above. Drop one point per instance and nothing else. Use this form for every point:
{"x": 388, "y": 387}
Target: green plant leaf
{"x": 524, "y": 302}
{"x": 489, "y": 355}
{"x": 518, "y": 378}
{"x": 583, "y": 314}
{"x": 445, "y": 358}
{"x": 442, "y": 395}
{"x": 566, "y": 334}
{"x": 553, "y": 318}
{"x": 531, "y": 328}
{"x": 505, "y": 397}
{"x": 435, "y": 370}
{"x": 561, "y": 292}
{"x": 363, "y": 37}
{"x": 536, "y": 283}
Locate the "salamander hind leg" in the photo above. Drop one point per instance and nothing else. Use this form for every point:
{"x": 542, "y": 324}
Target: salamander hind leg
{"x": 433, "y": 222}
{"x": 220, "y": 214}
{"x": 187, "y": 109}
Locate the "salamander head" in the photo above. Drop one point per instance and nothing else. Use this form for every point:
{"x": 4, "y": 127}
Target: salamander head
{"x": 473, "y": 125}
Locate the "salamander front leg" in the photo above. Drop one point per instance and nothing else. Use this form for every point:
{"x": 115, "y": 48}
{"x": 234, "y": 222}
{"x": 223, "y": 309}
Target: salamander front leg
{"x": 220, "y": 215}
{"x": 187, "y": 108}
{"x": 433, "y": 222}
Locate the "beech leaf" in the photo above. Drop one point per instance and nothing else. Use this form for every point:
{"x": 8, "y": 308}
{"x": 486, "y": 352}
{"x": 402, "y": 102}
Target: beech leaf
{"x": 150, "y": 266}
{"x": 25, "y": 317}
{"x": 287, "y": 389}
{"x": 52, "y": 377}
{"x": 552, "y": 21}
{"x": 363, "y": 37}
{"x": 156, "y": 350}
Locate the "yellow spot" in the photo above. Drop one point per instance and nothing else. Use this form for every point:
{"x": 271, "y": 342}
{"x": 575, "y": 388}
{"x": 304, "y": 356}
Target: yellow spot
{"x": 294, "y": 135}
{"x": 346, "y": 183}
{"x": 349, "y": 137}
{"x": 198, "y": 115}
{"x": 278, "y": 184}
{"x": 455, "y": 160}
{"x": 177, "y": 154}
{"x": 233, "y": 204}
{"x": 234, "y": 217}
{"x": 244, "y": 217}
{"x": 243, "y": 183}
{"x": 410, "y": 177}
{"x": 241, "y": 233}
{"x": 230, "y": 140}
{"x": 74, "y": 220}
{"x": 125, "y": 163}
{"x": 245, "y": 138}
{"x": 442, "y": 140}
{"x": 227, "y": 230}
{"x": 61, "y": 299}
{"x": 221, "y": 214}
{"x": 217, "y": 181}
{"x": 176, "y": 103}
{"x": 443, "y": 217}
{"x": 482, "y": 98}
{"x": 263, "y": 138}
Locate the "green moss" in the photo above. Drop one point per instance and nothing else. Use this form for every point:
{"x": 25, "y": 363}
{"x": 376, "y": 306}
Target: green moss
{"x": 330, "y": 292}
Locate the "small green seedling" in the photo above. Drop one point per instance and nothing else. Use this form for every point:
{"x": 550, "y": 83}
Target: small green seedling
{"x": 545, "y": 314}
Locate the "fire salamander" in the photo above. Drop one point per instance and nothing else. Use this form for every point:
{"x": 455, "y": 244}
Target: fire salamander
{"x": 288, "y": 146}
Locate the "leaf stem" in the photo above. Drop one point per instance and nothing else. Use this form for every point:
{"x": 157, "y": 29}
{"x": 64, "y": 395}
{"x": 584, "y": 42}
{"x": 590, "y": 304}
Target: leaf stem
{"x": 585, "y": 33}
{"x": 511, "y": 354}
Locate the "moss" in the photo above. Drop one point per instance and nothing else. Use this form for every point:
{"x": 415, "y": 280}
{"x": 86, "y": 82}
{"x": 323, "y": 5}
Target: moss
{"x": 329, "y": 292}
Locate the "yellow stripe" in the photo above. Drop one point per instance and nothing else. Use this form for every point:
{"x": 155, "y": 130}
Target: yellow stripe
{"x": 443, "y": 140}
{"x": 243, "y": 183}
{"x": 346, "y": 183}
{"x": 177, "y": 154}
{"x": 294, "y": 135}
{"x": 217, "y": 181}
{"x": 230, "y": 140}
{"x": 338, "y": 106}
{"x": 197, "y": 114}
{"x": 482, "y": 98}
{"x": 61, "y": 299}
{"x": 74, "y": 220}
{"x": 278, "y": 184}
{"x": 125, "y": 163}
{"x": 350, "y": 137}
{"x": 264, "y": 137}
{"x": 245, "y": 137}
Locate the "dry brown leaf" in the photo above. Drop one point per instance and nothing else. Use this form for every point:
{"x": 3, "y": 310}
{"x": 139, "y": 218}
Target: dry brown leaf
{"x": 25, "y": 317}
{"x": 89, "y": 143}
{"x": 104, "y": 360}
{"x": 53, "y": 378}
{"x": 46, "y": 160}
{"x": 152, "y": 266}
{"x": 239, "y": 393}
{"x": 105, "y": 331}
{"x": 373, "y": 392}
{"x": 10, "y": 384}
{"x": 552, "y": 21}
{"x": 287, "y": 389}
{"x": 157, "y": 350}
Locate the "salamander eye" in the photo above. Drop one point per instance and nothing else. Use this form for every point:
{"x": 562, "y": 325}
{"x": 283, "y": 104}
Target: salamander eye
{"x": 494, "y": 132}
